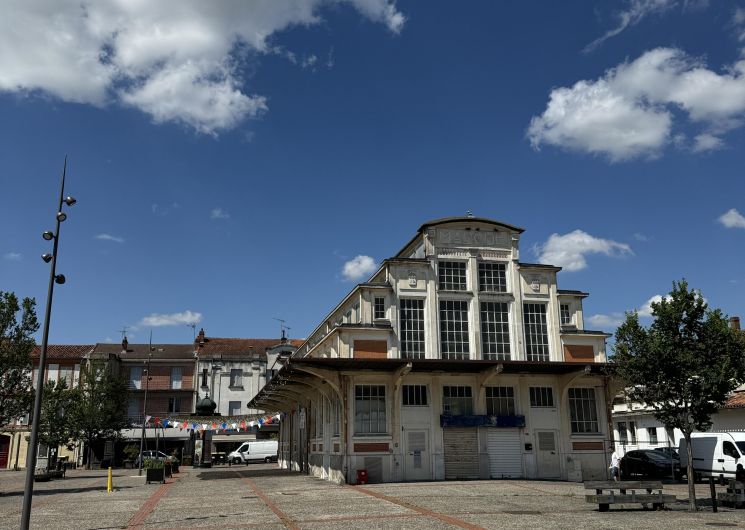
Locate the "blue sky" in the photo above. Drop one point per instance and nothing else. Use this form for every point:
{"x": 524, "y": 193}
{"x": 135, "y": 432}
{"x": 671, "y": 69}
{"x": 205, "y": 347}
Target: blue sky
{"x": 237, "y": 162}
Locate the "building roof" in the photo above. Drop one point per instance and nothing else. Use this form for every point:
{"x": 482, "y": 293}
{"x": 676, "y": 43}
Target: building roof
{"x": 141, "y": 351}
{"x": 64, "y": 351}
{"x": 574, "y": 331}
{"x": 229, "y": 347}
{"x": 538, "y": 266}
{"x": 572, "y": 292}
{"x": 469, "y": 219}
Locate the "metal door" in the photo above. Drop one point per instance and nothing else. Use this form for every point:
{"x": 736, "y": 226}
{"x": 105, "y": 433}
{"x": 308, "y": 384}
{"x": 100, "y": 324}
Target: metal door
{"x": 461, "y": 453}
{"x": 548, "y": 455}
{"x": 505, "y": 455}
{"x": 417, "y": 461}
{"x": 4, "y": 450}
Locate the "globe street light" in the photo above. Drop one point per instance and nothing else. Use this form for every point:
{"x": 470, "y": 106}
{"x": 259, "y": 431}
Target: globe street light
{"x": 53, "y": 278}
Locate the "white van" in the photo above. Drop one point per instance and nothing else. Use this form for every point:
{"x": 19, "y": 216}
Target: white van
{"x": 715, "y": 454}
{"x": 257, "y": 451}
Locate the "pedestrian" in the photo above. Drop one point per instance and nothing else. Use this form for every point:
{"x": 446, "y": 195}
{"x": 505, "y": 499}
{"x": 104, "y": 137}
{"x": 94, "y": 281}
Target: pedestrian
{"x": 740, "y": 474}
{"x": 615, "y": 463}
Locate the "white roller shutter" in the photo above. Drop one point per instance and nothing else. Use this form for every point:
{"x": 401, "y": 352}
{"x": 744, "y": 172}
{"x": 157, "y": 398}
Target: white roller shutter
{"x": 461, "y": 453}
{"x": 505, "y": 455}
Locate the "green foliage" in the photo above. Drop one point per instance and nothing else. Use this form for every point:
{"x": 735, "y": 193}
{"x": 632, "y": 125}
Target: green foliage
{"x": 684, "y": 365}
{"x": 152, "y": 463}
{"x": 101, "y": 410}
{"x": 131, "y": 451}
{"x": 16, "y": 344}
{"x": 56, "y": 425}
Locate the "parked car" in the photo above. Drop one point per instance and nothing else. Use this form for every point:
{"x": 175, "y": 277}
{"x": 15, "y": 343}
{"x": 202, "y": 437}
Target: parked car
{"x": 716, "y": 454}
{"x": 671, "y": 452}
{"x": 154, "y": 455}
{"x": 648, "y": 463}
{"x": 258, "y": 451}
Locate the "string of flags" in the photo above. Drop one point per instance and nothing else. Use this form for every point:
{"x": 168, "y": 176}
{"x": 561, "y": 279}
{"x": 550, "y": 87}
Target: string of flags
{"x": 208, "y": 424}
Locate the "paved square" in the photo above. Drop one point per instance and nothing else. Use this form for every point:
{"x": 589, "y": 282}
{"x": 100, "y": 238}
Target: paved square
{"x": 262, "y": 496}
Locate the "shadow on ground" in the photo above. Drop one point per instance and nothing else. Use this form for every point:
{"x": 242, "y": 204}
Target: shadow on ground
{"x": 232, "y": 473}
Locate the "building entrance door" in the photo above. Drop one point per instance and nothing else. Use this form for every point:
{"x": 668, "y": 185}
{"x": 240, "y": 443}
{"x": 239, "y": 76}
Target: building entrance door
{"x": 417, "y": 464}
{"x": 548, "y": 455}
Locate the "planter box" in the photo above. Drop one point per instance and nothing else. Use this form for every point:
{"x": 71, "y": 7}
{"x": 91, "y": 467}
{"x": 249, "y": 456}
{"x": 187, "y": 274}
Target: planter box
{"x": 168, "y": 469}
{"x": 155, "y": 475}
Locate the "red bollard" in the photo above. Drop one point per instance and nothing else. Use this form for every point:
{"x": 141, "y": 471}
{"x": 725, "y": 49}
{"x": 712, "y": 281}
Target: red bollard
{"x": 361, "y": 476}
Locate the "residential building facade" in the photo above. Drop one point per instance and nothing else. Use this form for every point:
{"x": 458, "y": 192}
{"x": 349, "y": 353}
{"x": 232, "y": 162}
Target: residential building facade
{"x": 455, "y": 360}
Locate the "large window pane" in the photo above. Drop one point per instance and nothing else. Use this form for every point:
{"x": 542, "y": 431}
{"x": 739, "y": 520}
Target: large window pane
{"x": 495, "y": 331}
{"x": 412, "y": 329}
{"x": 369, "y": 409}
{"x": 452, "y": 275}
{"x": 454, "y": 329}
{"x": 582, "y": 409}
{"x": 536, "y": 332}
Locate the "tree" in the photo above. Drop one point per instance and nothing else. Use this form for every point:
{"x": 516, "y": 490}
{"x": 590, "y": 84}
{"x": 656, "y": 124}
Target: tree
{"x": 683, "y": 366}
{"x": 16, "y": 344}
{"x": 56, "y": 424}
{"x": 101, "y": 409}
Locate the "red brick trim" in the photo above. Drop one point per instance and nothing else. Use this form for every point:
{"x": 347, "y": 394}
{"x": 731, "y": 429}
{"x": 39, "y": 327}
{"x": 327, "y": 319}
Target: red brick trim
{"x": 285, "y": 519}
{"x": 146, "y": 509}
{"x": 371, "y": 447}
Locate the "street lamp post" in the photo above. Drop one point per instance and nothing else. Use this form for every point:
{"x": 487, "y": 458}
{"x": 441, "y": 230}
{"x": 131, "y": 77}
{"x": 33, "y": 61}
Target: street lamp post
{"x": 28, "y": 491}
{"x": 144, "y": 409}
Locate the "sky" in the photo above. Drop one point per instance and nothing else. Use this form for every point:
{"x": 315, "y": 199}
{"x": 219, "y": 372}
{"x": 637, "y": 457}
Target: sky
{"x": 236, "y": 162}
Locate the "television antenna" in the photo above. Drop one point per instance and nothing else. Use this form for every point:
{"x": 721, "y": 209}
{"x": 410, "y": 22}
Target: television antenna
{"x": 123, "y": 331}
{"x": 282, "y": 325}
{"x": 193, "y": 326}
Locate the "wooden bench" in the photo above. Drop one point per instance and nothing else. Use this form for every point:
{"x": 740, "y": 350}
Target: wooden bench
{"x": 605, "y": 493}
{"x": 43, "y": 475}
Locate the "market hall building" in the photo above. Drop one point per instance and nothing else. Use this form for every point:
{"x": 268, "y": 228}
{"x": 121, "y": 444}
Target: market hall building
{"x": 456, "y": 360}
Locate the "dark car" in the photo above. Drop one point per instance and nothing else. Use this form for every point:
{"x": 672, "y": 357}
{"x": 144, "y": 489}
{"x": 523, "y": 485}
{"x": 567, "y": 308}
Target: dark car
{"x": 671, "y": 452}
{"x": 648, "y": 463}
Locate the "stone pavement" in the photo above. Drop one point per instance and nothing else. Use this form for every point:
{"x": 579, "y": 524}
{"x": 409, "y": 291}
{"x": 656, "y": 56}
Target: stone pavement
{"x": 262, "y": 496}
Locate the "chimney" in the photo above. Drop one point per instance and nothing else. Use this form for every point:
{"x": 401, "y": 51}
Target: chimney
{"x": 125, "y": 343}
{"x": 734, "y": 323}
{"x": 200, "y": 337}
{"x": 283, "y": 340}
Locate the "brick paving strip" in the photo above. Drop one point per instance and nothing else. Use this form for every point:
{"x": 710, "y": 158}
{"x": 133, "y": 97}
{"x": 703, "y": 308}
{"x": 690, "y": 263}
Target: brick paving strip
{"x": 283, "y": 517}
{"x": 424, "y": 511}
{"x": 146, "y": 509}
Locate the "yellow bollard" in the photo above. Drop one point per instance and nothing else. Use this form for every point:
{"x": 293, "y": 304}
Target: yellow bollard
{"x": 110, "y": 482}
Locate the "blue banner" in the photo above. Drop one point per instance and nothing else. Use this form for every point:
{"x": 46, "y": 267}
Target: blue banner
{"x": 481, "y": 420}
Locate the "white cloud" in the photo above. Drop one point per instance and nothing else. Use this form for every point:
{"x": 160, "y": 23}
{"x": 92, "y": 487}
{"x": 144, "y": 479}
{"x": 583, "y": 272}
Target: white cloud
{"x": 706, "y": 142}
{"x": 13, "y": 256}
{"x": 738, "y": 21}
{"x": 359, "y": 267}
{"x": 219, "y": 213}
{"x": 109, "y": 237}
{"x": 569, "y": 250}
{"x": 635, "y": 11}
{"x": 177, "y": 60}
{"x": 732, "y": 219}
{"x": 605, "y": 321}
{"x": 627, "y": 113}
{"x": 641, "y": 237}
{"x": 646, "y": 309}
{"x": 173, "y": 319}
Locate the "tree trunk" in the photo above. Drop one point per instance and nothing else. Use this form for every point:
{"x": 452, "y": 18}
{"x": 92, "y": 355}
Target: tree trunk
{"x": 691, "y": 474}
{"x": 88, "y": 463}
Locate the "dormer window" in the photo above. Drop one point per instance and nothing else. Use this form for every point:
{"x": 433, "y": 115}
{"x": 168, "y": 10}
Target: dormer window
{"x": 379, "y": 308}
{"x": 566, "y": 316}
{"x": 452, "y": 275}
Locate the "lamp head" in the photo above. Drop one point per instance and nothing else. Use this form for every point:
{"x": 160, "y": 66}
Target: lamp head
{"x": 46, "y": 257}
{"x": 60, "y": 279}
{"x": 61, "y": 216}
{"x": 48, "y": 236}
{"x": 70, "y": 201}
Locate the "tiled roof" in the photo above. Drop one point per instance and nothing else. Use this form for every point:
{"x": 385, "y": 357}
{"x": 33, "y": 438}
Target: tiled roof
{"x": 141, "y": 351}
{"x": 63, "y": 351}
{"x": 228, "y": 347}
{"x": 735, "y": 401}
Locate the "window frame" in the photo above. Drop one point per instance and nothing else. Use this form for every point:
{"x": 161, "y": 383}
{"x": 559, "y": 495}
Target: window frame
{"x": 504, "y": 399}
{"x": 465, "y": 399}
{"x": 454, "y": 343}
{"x": 583, "y": 410}
{"x": 367, "y": 426}
{"x": 177, "y": 383}
{"x": 565, "y": 314}
{"x": 542, "y": 397}
{"x": 452, "y": 275}
{"x": 379, "y": 308}
{"x": 535, "y": 330}
{"x": 411, "y": 328}
{"x": 135, "y": 384}
{"x": 492, "y": 326}
{"x": 174, "y": 402}
{"x": 496, "y": 277}
{"x": 232, "y": 382}
{"x": 417, "y": 392}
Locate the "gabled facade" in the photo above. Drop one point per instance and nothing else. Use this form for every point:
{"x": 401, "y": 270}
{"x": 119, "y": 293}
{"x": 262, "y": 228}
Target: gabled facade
{"x": 455, "y": 360}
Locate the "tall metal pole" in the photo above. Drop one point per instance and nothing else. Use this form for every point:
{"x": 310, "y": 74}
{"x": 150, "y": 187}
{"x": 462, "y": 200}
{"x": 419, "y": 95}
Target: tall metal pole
{"x": 144, "y": 410}
{"x": 28, "y": 491}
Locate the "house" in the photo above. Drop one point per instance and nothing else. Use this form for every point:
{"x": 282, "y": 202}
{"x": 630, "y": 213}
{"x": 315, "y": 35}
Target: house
{"x": 63, "y": 363}
{"x": 165, "y": 373}
{"x": 456, "y": 360}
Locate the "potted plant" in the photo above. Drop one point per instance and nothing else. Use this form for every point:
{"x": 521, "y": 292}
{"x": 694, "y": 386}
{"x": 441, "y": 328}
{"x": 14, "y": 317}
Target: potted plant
{"x": 130, "y": 451}
{"x": 154, "y": 470}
